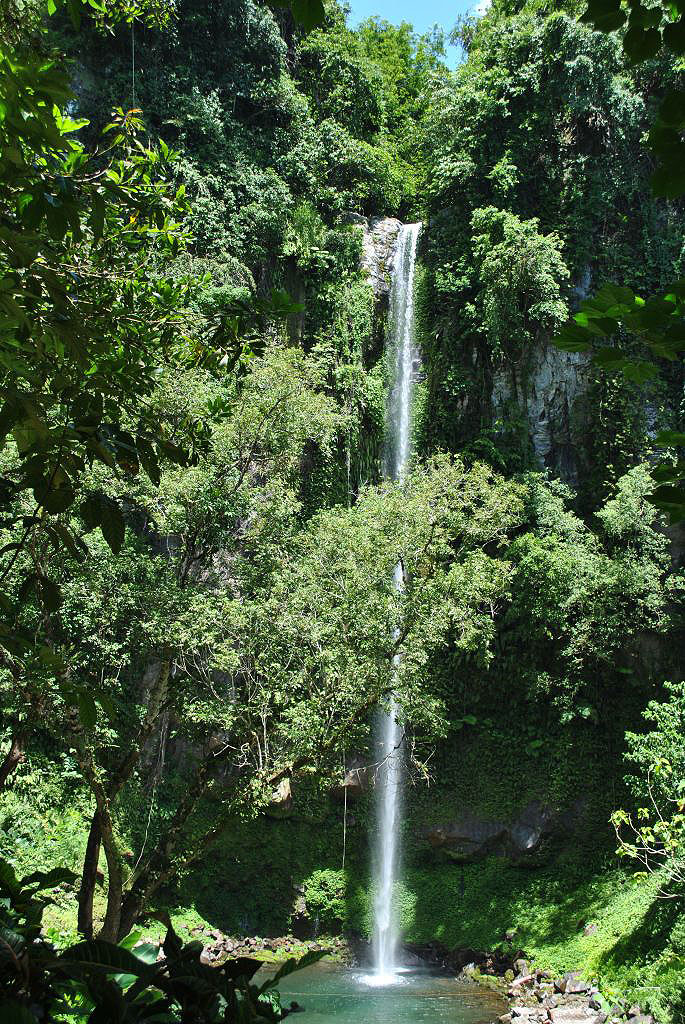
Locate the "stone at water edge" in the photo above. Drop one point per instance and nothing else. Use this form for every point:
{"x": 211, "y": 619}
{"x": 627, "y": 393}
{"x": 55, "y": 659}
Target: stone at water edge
{"x": 572, "y": 984}
{"x": 575, "y": 985}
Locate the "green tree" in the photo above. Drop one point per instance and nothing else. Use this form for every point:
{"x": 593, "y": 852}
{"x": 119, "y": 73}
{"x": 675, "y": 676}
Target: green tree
{"x": 653, "y": 835}
{"x": 520, "y": 276}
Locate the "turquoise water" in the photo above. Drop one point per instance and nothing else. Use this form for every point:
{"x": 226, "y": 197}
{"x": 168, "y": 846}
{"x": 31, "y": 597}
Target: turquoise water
{"x": 329, "y": 993}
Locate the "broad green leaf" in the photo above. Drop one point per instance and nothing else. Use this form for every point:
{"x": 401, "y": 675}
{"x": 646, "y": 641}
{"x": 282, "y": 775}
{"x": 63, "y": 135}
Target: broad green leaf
{"x": 640, "y": 371}
{"x": 107, "y": 705}
{"x": 8, "y": 879}
{"x": 112, "y": 524}
{"x": 668, "y": 180}
{"x": 146, "y": 951}
{"x": 129, "y": 941}
{"x": 641, "y": 43}
{"x": 91, "y": 511}
{"x": 674, "y": 36}
{"x": 309, "y": 13}
{"x": 148, "y": 460}
{"x": 666, "y": 141}
{"x": 66, "y": 537}
{"x": 665, "y": 473}
{"x": 51, "y": 594}
{"x": 51, "y": 658}
{"x": 105, "y": 957}
{"x": 87, "y": 711}
{"x": 49, "y": 879}
{"x": 11, "y": 944}
{"x": 57, "y": 499}
{"x": 670, "y": 500}
{"x": 573, "y": 338}
{"x": 672, "y": 109}
{"x": 12, "y": 1012}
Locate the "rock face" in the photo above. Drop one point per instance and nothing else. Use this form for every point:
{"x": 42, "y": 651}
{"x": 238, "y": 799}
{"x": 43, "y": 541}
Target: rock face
{"x": 379, "y": 248}
{"x": 555, "y": 383}
{"x": 471, "y": 838}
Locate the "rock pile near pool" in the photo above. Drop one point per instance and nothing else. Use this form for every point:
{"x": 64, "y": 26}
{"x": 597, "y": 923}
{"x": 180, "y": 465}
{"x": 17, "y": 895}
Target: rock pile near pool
{"x": 537, "y": 997}
{"x": 219, "y": 947}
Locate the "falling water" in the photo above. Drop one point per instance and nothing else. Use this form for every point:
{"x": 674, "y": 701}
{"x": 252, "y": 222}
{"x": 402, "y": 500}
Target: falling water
{"x": 389, "y": 734}
{"x": 401, "y": 340}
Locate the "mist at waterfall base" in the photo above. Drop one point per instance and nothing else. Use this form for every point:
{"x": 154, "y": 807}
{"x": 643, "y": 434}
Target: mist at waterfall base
{"x": 389, "y": 745}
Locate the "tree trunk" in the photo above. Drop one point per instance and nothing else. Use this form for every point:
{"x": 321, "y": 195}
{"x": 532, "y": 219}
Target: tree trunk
{"x": 13, "y": 758}
{"x": 106, "y": 829}
{"x": 89, "y": 878}
{"x": 131, "y": 906}
{"x": 115, "y": 886}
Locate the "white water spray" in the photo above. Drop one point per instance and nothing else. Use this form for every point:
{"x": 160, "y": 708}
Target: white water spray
{"x": 389, "y": 738}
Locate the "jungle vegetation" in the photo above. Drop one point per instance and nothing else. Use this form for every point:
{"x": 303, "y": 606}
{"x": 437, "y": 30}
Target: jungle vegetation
{"x": 198, "y": 616}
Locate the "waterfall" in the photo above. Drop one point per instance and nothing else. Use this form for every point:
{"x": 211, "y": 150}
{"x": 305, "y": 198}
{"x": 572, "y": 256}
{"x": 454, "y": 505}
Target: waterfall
{"x": 401, "y": 340}
{"x": 389, "y": 738}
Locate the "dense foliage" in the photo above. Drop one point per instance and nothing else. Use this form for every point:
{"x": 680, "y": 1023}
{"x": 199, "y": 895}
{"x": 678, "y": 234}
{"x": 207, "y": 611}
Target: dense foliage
{"x": 200, "y": 618}
{"x": 541, "y": 129}
{"x": 130, "y": 982}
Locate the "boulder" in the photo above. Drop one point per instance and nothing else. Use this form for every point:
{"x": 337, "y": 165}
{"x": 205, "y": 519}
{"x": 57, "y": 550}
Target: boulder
{"x": 575, "y": 985}
{"x": 355, "y": 781}
{"x": 281, "y": 803}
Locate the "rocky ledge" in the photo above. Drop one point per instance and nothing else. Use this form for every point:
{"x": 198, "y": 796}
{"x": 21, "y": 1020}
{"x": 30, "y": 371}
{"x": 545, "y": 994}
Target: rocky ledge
{"x": 527, "y": 837}
{"x": 219, "y": 947}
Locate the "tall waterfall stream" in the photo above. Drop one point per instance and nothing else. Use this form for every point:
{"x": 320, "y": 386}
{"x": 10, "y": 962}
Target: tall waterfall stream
{"x": 389, "y": 737}
{"x": 391, "y": 994}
